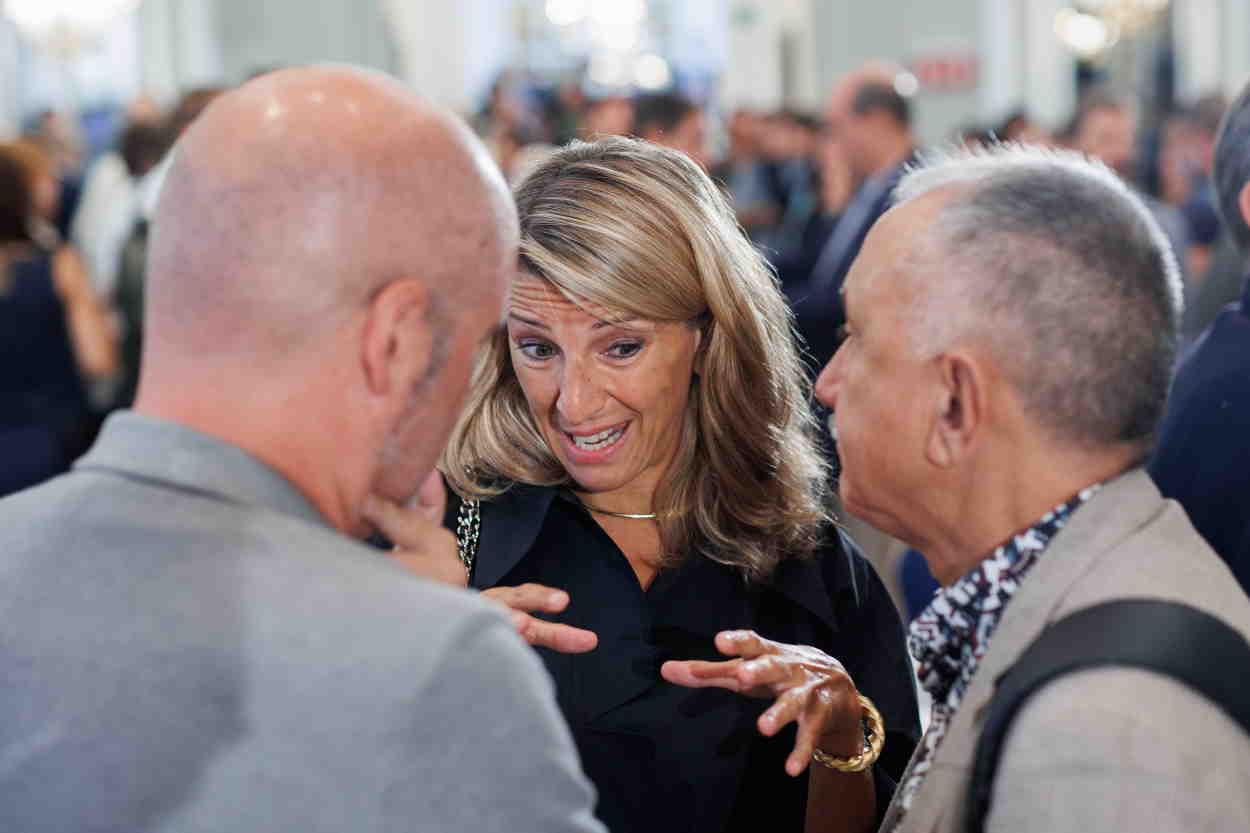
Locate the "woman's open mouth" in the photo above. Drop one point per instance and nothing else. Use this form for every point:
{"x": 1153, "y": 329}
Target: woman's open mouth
{"x": 594, "y": 447}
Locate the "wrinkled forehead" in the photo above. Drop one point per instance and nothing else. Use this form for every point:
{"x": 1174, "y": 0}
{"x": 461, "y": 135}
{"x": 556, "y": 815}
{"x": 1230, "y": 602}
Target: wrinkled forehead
{"x": 539, "y": 298}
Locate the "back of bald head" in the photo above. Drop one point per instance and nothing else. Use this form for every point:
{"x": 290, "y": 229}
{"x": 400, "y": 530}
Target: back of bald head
{"x": 296, "y": 198}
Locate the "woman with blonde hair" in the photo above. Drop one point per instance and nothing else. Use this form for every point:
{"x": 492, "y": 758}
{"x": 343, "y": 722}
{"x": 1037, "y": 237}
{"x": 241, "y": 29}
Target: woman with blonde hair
{"x": 639, "y": 437}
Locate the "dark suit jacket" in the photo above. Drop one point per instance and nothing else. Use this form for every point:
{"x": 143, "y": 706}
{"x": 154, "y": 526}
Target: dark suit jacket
{"x": 665, "y": 758}
{"x": 817, "y": 303}
{"x": 1203, "y": 456}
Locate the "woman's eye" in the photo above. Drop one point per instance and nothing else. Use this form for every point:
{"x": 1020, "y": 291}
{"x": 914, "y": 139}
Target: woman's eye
{"x": 624, "y": 349}
{"x": 536, "y": 349}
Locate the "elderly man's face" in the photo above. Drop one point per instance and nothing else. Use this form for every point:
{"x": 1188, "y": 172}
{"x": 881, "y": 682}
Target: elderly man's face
{"x": 880, "y": 391}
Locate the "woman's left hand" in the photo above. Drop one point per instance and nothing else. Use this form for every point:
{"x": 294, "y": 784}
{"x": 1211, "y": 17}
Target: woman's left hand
{"x": 811, "y": 688}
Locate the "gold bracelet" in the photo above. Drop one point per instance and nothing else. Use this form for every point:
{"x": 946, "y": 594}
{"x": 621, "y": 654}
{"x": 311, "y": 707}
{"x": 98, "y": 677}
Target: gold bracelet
{"x": 874, "y": 742}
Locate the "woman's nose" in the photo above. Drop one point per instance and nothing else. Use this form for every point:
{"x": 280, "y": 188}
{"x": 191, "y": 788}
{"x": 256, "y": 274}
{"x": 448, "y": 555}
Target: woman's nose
{"x": 581, "y": 395}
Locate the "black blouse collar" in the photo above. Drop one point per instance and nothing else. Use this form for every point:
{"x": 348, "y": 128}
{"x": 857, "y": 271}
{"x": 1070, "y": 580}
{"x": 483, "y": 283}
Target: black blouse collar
{"x": 512, "y": 521}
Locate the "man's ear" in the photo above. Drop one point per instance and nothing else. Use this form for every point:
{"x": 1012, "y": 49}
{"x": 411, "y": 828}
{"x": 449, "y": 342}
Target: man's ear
{"x": 397, "y": 343}
{"x": 960, "y": 408}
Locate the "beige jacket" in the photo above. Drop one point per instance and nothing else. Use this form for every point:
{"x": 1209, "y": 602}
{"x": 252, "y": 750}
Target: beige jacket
{"x": 1105, "y": 749}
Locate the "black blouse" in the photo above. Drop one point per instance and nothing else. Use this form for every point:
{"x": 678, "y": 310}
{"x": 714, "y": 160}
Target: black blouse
{"x": 668, "y": 758}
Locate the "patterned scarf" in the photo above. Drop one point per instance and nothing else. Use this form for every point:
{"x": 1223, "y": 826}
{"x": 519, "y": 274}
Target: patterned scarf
{"x": 950, "y": 636}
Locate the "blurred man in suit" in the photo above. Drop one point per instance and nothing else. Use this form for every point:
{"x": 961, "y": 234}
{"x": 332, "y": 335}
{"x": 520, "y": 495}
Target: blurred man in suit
{"x": 1203, "y": 457}
{"x": 871, "y": 122}
{"x": 190, "y": 638}
{"x": 1011, "y": 328}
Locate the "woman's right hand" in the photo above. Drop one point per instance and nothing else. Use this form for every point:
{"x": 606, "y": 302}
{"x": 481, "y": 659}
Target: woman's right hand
{"x": 526, "y": 599}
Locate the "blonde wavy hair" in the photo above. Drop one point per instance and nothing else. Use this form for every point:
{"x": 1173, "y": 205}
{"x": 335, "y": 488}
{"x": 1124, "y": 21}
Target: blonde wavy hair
{"x": 641, "y": 230}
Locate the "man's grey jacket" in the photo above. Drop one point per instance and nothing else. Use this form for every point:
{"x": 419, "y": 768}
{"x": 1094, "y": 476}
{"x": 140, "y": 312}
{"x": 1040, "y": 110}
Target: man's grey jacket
{"x": 186, "y": 645}
{"x": 1109, "y": 749}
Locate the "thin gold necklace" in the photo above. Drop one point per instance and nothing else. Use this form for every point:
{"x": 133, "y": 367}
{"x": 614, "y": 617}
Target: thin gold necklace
{"x": 632, "y": 516}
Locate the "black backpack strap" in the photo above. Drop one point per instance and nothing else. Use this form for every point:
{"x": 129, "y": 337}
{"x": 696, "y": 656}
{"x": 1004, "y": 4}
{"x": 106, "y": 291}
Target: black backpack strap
{"x": 1169, "y": 638}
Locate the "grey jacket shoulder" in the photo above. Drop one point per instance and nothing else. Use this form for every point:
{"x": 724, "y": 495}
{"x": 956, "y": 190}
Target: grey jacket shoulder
{"x": 182, "y": 655}
{"x": 1103, "y": 749}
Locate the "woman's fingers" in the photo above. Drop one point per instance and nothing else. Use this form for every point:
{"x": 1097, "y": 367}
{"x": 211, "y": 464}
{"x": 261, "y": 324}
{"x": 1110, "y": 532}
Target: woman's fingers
{"x": 693, "y": 673}
{"x": 746, "y": 644}
{"x": 788, "y": 707}
{"x": 530, "y": 598}
{"x": 563, "y": 638}
{"x": 525, "y": 599}
{"x": 812, "y": 719}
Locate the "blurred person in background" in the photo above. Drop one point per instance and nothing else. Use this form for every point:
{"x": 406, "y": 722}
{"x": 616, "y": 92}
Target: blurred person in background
{"x": 871, "y": 121}
{"x": 59, "y": 137}
{"x": 833, "y": 185}
{"x": 609, "y": 115}
{"x": 744, "y": 173}
{"x": 1104, "y": 128}
{"x": 1019, "y": 127}
{"x": 132, "y": 261}
{"x": 639, "y": 437}
{"x": 790, "y": 140}
{"x": 44, "y": 184}
{"x": 55, "y": 334}
{"x": 1203, "y": 456}
{"x": 1185, "y": 159}
{"x": 674, "y": 121}
{"x": 106, "y": 211}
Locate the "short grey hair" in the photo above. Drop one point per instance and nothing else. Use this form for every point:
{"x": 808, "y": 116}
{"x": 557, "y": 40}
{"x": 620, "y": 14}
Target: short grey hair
{"x": 1051, "y": 260}
{"x": 1232, "y": 167}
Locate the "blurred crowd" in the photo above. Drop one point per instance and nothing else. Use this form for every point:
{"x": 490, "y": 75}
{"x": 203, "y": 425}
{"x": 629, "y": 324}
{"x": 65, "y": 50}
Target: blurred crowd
{"x": 71, "y": 295}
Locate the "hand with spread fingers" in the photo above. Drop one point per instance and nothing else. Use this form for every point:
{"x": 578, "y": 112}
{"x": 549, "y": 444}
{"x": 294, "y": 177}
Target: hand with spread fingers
{"x": 537, "y": 598}
{"x": 421, "y": 543}
{"x": 811, "y": 689}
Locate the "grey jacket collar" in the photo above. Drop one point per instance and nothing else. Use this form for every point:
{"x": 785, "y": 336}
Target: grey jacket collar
{"x": 141, "y": 447}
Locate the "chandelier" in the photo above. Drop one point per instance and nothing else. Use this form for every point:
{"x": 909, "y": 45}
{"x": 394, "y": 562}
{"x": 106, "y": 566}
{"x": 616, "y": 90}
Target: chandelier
{"x": 1091, "y": 27}
{"x": 65, "y": 26}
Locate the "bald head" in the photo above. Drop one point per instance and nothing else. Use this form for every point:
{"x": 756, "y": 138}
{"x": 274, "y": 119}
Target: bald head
{"x": 292, "y": 200}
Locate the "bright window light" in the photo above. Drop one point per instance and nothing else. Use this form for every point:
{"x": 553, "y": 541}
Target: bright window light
{"x": 566, "y": 12}
{"x": 40, "y": 18}
{"x": 651, "y": 72}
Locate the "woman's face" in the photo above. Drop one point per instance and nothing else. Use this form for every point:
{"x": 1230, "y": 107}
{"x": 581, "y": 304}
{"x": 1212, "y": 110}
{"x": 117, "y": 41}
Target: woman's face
{"x": 610, "y": 398}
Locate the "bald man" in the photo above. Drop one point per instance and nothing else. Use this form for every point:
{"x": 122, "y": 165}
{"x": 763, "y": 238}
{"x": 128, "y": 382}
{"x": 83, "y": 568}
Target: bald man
{"x": 189, "y": 637}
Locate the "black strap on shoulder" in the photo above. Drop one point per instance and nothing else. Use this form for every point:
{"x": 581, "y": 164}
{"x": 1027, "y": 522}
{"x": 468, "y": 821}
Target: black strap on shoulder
{"x": 1169, "y": 638}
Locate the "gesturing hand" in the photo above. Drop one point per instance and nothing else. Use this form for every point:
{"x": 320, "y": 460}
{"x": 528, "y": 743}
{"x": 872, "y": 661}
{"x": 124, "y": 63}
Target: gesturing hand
{"x": 421, "y": 543}
{"x": 533, "y": 598}
{"x": 811, "y": 688}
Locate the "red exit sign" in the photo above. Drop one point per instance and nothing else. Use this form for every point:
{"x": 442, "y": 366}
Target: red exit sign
{"x": 945, "y": 73}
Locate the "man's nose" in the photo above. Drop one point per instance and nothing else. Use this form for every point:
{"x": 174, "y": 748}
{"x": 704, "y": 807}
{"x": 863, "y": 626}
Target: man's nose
{"x": 827, "y": 382}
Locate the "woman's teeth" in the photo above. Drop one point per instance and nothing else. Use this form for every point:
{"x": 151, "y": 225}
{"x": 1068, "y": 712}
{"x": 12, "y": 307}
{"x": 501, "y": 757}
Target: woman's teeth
{"x": 596, "y": 442}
